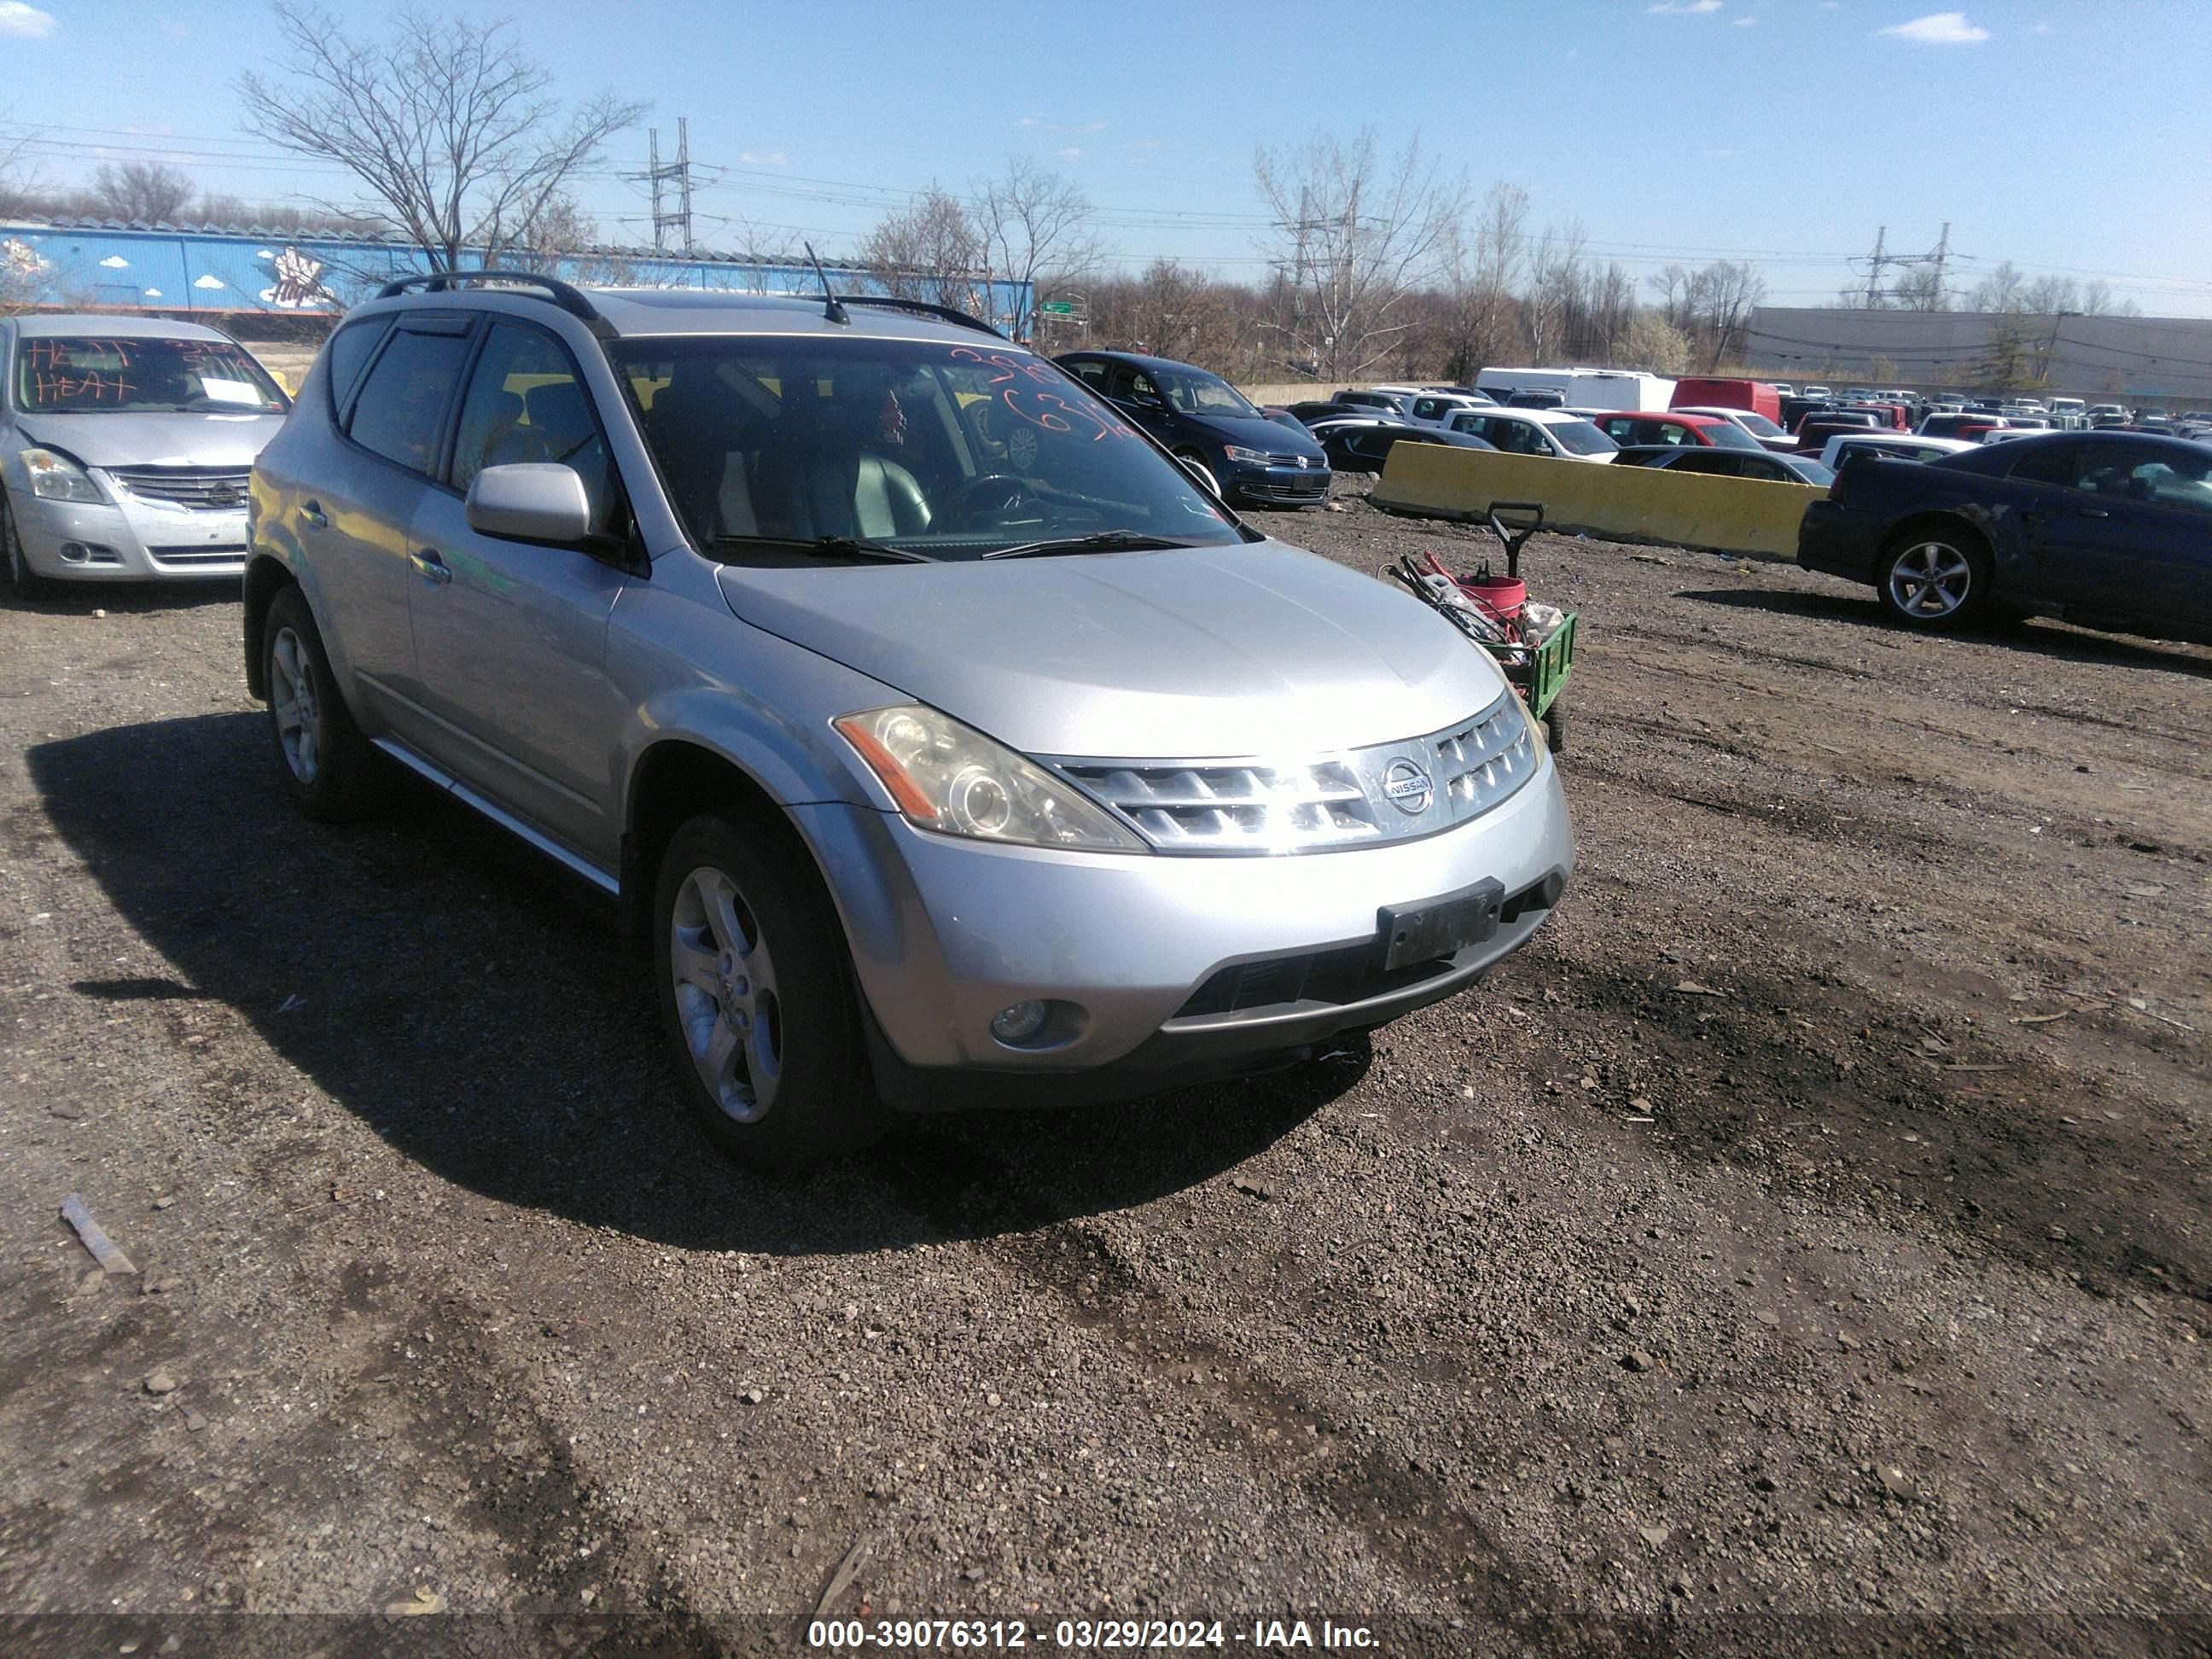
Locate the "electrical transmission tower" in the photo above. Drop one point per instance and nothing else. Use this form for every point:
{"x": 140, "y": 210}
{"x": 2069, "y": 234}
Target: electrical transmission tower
{"x": 678, "y": 175}
{"x": 1881, "y": 260}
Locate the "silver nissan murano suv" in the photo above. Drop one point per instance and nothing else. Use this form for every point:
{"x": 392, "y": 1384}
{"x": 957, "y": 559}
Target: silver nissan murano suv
{"x": 946, "y": 743}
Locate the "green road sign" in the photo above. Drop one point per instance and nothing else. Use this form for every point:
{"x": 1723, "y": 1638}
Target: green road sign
{"x": 1058, "y": 308}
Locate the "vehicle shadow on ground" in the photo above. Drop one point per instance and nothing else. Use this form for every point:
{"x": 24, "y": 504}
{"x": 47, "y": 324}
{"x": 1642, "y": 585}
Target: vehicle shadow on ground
{"x": 481, "y": 1011}
{"x": 119, "y": 599}
{"x": 2047, "y": 639}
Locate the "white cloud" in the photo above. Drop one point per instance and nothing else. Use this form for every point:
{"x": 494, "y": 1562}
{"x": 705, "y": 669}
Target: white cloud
{"x": 2040, "y": 28}
{"x": 1745, "y": 23}
{"x": 153, "y": 293}
{"x": 115, "y": 262}
{"x": 1938, "y": 28}
{"x": 28, "y": 21}
{"x": 1071, "y": 154}
{"x": 210, "y": 280}
{"x": 1684, "y": 8}
{"x": 774, "y": 158}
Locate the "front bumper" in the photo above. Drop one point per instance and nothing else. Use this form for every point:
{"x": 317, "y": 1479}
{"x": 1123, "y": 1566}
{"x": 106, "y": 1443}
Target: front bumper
{"x": 946, "y": 932}
{"x": 1279, "y": 486}
{"x": 128, "y": 539}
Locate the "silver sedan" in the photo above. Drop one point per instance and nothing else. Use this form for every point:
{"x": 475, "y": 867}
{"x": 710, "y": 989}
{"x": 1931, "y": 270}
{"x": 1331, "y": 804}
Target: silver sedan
{"x": 126, "y": 444}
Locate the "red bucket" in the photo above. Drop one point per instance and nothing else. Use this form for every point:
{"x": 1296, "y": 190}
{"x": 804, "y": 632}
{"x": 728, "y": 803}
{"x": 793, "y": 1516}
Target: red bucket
{"x": 1501, "y": 596}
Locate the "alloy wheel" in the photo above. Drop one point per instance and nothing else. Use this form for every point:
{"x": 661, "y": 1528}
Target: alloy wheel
{"x": 1930, "y": 581}
{"x": 727, "y": 997}
{"x": 292, "y": 698}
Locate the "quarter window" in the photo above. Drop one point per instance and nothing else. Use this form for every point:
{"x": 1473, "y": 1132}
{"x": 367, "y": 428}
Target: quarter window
{"x": 402, "y": 405}
{"x": 350, "y": 348}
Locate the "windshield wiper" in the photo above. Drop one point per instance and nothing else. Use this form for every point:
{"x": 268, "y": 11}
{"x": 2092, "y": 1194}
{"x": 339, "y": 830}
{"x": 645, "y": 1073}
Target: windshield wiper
{"x": 850, "y": 547}
{"x": 1103, "y": 541}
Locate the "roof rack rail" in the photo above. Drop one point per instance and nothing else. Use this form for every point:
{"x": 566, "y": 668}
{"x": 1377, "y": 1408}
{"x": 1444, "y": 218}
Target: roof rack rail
{"x": 570, "y": 299}
{"x": 924, "y": 308}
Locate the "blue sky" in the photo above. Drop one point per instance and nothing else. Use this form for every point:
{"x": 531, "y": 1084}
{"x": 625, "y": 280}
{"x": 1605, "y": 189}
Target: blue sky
{"x": 2065, "y": 134}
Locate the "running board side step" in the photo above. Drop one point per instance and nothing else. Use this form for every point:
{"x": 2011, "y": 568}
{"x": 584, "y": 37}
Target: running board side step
{"x": 499, "y": 816}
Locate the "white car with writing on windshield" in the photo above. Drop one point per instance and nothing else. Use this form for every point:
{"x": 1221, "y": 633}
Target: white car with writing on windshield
{"x": 126, "y": 445}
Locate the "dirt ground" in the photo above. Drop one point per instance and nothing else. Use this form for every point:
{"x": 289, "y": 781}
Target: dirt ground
{"x": 1802, "y": 1247}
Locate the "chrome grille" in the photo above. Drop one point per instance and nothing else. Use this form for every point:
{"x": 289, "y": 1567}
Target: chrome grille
{"x": 1360, "y": 797}
{"x": 214, "y": 489}
{"x": 1215, "y": 806}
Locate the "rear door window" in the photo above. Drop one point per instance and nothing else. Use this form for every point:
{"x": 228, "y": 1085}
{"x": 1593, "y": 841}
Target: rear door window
{"x": 400, "y": 413}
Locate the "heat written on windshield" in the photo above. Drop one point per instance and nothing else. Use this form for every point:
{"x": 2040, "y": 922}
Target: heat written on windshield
{"x": 82, "y": 372}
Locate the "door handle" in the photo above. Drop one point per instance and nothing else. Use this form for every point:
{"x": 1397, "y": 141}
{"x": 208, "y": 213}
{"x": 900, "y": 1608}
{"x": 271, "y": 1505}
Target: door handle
{"x": 434, "y": 569}
{"x": 313, "y": 513}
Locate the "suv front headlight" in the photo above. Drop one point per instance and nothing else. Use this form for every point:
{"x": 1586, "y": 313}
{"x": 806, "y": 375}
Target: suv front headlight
{"x": 957, "y": 781}
{"x": 1245, "y": 457}
{"x": 59, "y": 478}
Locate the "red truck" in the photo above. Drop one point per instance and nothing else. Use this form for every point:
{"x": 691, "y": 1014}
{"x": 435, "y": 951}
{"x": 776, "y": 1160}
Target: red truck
{"x": 1757, "y": 396}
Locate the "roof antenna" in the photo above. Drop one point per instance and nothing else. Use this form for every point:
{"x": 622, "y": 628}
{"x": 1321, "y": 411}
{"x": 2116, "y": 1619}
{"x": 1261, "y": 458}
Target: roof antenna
{"x": 833, "y": 309}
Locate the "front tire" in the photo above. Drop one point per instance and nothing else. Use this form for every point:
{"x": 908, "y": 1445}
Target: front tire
{"x": 757, "y": 998}
{"x": 1935, "y": 577}
{"x": 329, "y": 767}
{"x": 28, "y": 583}
{"x": 1196, "y": 463}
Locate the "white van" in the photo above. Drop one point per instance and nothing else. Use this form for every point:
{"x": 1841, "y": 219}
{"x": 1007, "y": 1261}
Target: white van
{"x": 1610, "y": 389}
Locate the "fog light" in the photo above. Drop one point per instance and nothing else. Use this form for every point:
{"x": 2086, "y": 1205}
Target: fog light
{"x": 1021, "y": 1021}
{"x": 75, "y": 552}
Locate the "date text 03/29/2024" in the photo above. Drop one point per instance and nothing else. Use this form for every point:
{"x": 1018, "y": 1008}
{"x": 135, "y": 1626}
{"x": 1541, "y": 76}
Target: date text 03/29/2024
{"x": 1262, "y": 1635}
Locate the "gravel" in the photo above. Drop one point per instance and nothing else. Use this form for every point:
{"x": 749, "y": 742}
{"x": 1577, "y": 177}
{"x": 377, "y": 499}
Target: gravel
{"x": 1808, "y": 1229}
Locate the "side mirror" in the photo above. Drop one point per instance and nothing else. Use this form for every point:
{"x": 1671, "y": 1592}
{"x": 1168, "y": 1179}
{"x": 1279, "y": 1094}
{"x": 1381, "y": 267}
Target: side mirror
{"x": 530, "y": 502}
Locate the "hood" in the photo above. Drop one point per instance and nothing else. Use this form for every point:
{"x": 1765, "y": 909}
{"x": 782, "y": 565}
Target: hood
{"x": 1258, "y": 432}
{"x": 1185, "y": 654}
{"x": 193, "y": 439}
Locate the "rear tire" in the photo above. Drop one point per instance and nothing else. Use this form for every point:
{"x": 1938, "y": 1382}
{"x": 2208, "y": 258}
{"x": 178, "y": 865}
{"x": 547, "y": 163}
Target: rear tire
{"x": 756, "y": 997}
{"x": 1555, "y": 728}
{"x": 28, "y": 583}
{"x": 1935, "y": 577}
{"x": 329, "y": 767}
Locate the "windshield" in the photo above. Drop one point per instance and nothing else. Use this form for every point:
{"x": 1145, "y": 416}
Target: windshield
{"x": 1759, "y": 425}
{"x": 1726, "y": 434}
{"x": 1201, "y": 394}
{"x": 1815, "y": 472}
{"x": 942, "y": 450}
{"x": 84, "y": 374}
{"x": 1581, "y": 438}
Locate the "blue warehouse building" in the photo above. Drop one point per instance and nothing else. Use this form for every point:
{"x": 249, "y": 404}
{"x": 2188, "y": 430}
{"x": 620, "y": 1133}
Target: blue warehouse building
{"x": 225, "y": 273}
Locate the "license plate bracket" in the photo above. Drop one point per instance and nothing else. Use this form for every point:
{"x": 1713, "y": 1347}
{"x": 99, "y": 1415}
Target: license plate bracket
{"x": 1439, "y": 927}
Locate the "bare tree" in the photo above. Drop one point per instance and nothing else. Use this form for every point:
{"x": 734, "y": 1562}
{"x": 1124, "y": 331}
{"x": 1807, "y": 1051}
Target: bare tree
{"x": 2001, "y": 290}
{"x": 1033, "y": 227}
{"x": 447, "y": 124}
{"x": 2096, "y": 297}
{"x": 1483, "y": 322}
{"x": 2049, "y": 295}
{"x": 149, "y": 192}
{"x": 1169, "y": 310}
{"x": 1723, "y": 294}
{"x": 1553, "y": 306}
{"x": 1920, "y": 288}
{"x": 931, "y": 251}
{"x": 1356, "y": 235}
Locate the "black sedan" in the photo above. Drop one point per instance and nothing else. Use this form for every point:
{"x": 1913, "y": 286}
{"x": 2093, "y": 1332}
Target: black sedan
{"x": 1355, "y": 445}
{"x": 1727, "y": 463}
{"x": 2108, "y": 529}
